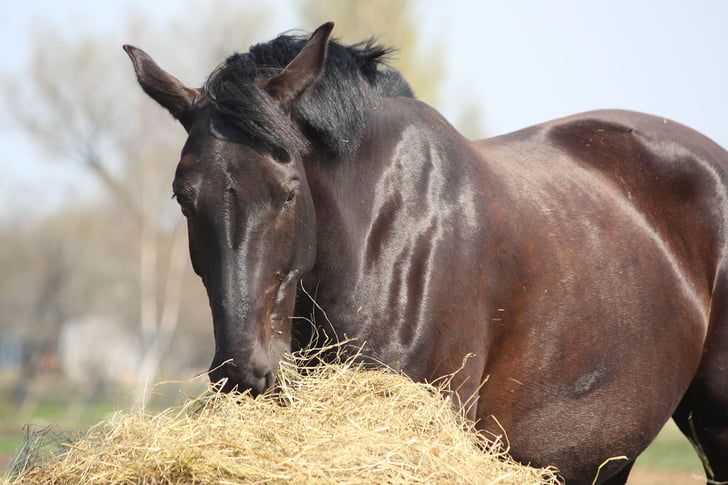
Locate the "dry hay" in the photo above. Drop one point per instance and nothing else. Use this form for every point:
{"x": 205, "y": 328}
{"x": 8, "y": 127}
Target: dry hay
{"x": 335, "y": 424}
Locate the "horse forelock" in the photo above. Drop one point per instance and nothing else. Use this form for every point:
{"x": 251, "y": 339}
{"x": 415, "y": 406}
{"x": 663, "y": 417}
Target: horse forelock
{"x": 237, "y": 101}
{"x": 335, "y": 110}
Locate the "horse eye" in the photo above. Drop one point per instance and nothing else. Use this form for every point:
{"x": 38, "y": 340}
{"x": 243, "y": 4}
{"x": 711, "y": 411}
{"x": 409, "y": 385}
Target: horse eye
{"x": 183, "y": 204}
{"x": 291, "y": 196}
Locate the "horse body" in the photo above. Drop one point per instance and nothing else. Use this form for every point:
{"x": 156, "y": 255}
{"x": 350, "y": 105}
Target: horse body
{"x": 617, "y": 235}
{"x": 586, "y": 292}
{"x": 570, "y": 275}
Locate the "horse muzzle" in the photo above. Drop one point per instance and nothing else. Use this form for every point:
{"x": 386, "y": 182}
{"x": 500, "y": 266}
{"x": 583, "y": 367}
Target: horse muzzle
{"x": 247, "y": 356}
{"x": 226, "y": 375}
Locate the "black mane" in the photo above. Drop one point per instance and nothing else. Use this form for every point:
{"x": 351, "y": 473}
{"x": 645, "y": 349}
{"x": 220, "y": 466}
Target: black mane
{"x": 334, "y": 111}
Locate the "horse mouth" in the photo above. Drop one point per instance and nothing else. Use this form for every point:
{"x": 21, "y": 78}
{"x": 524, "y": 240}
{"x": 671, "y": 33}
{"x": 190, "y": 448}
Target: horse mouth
{"x": 229, "y": 377}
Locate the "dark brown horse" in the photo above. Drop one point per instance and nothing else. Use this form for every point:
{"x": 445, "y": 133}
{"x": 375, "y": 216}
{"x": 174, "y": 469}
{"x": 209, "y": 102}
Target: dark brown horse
{"x": 581, "y": 263}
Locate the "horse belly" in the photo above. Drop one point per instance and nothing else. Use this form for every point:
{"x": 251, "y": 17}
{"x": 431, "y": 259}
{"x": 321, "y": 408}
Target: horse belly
{"x": 595, "y": 346}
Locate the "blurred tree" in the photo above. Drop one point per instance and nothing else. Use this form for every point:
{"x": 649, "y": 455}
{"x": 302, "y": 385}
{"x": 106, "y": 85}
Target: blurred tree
{"x": 80, "y": 100}
{"x": 393, "y": 23}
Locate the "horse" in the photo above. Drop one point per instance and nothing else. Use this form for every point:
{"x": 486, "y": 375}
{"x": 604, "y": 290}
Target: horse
{"x": 571, "y": 276}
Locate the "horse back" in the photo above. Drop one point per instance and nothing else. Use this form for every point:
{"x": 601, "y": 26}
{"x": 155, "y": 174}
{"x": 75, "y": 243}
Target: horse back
{"x": 667, "y": 175}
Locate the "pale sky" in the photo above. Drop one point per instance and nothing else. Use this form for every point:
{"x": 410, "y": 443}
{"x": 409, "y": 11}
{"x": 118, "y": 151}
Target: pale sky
{"x": 519, "y": 62}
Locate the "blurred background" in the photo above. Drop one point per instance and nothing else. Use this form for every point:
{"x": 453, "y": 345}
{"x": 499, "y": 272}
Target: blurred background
{"x": 97, "y": 299}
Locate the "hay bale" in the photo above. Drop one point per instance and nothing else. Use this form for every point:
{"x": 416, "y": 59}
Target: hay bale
{"x": 332, "y": 424}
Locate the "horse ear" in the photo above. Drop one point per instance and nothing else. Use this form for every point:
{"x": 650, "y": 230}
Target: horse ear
{"x": 161, "y": 86}
{"x": 302, "y": 71}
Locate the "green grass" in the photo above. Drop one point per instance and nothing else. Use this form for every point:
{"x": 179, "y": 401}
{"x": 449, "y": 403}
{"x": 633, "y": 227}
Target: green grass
{"x": 11, "y": 430}
{"x": 10, "y": 442}
{"x": 671, "y": 451}
{"x": 54, "y": 407}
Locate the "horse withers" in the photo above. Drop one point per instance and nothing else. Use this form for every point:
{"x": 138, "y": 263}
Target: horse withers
{"x": 579, "y": 263}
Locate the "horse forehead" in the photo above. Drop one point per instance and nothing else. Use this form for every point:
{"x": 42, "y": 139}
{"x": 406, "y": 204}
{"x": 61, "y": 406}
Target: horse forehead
{"x": 236, "y": 165}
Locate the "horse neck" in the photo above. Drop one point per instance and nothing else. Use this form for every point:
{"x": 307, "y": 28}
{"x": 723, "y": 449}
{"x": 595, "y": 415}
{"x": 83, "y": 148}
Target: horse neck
{"x": 404, "y": 163}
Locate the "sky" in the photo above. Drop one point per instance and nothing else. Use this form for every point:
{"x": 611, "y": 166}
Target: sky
{"x": 516, "y": 62}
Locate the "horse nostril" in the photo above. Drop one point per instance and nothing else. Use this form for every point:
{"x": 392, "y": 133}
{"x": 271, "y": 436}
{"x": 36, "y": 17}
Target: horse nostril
{"x": 258, "y": 383}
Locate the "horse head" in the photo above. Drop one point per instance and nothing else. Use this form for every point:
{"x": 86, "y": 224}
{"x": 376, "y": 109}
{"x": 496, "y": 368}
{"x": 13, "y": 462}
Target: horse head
{"x": 241, "y": 185}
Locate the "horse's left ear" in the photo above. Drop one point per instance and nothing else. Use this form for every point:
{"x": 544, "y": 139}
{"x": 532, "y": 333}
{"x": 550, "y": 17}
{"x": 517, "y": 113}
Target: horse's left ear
{"x": 302, "y": 71}
{"x": 161, "y": 86}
